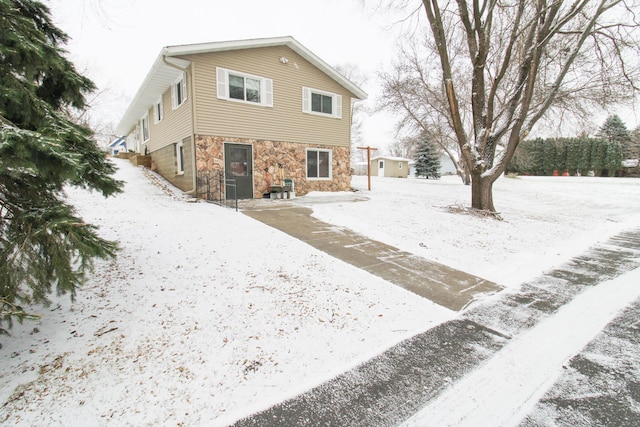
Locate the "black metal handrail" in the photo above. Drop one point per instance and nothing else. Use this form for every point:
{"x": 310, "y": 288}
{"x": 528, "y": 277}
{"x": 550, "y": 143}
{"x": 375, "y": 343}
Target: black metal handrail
{"x": 217, "y": 186}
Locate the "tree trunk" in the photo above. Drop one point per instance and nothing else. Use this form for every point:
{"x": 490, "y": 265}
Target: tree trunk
{"x": 482, "y": 192}
{"x": 462, "y": 171}
{"x": 466, "y": 178}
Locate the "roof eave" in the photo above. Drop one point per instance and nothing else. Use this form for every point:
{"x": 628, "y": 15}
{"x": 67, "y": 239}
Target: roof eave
{"x": 160, "y": 77}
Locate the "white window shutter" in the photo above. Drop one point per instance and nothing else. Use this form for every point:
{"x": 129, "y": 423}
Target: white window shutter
{"x": 268, "y": 92}
{"x": 338, "y": 107}
{"x": 173, "y": 96}
{"x": 221, "y": 76}
{"x": 183, "y": 83}
{"x": 306, "y": 100}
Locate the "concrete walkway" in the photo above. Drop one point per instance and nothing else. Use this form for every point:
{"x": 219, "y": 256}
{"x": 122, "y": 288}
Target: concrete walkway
{"x": 443, "y": 285}
{"x": 395, "y": 385}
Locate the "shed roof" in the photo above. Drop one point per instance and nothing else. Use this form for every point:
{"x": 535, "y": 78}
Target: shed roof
{"x": 167, "y": 69}
{"x": 397, "y": 159}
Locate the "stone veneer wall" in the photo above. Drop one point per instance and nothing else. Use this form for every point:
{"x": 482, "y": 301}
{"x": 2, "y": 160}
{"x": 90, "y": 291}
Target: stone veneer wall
{"x": 268, "y": 154}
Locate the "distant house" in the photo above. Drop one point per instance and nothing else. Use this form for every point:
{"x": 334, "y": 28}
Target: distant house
{"x": 117, "y": 146}
{"x": 397, "y": 167}
{"x": 258, "y": 110}
{"x": 630, "y": 167}
{"x": 446, "y": 166}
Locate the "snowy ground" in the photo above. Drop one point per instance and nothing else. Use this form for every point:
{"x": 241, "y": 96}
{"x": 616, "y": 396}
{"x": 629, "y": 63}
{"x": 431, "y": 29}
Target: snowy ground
{"x": 546, "y": 220}
{"x": 208, "y": 315}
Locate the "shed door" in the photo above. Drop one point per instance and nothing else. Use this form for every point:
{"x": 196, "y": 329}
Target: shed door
{"x": 380, "y": 167}
{"x": 238, "y": 163}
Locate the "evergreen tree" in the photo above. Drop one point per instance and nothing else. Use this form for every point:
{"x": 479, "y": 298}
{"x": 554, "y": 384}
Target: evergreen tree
{"x": 613, "y": 159}
{"x": 550, "y": 157}
{"x": 573, "y": 155}
{"x": 596, "y": 156}
{"x": 633, "y": 151}
{"x": 539, "y": 156}
{"x": 584, "y": 163}
{"x": 44, "y": 244}
{"x": 615, "y": 131}
{"x": 427, "y": 160}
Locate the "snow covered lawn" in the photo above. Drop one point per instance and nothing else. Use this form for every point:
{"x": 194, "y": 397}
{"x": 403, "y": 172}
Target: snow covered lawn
{"x": 546, "y": 220}
{"x": 208, "y": 315}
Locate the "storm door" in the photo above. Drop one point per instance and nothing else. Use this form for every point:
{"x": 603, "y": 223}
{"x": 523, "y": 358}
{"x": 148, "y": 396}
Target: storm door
{"x": 238, "y": 163}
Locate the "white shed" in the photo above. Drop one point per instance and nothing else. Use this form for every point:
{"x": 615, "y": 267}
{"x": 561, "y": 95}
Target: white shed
{"x": 397, "y": 167}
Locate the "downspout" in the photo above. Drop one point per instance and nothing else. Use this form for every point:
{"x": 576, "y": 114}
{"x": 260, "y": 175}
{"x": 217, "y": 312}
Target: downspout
{"x": 193, "y": 191}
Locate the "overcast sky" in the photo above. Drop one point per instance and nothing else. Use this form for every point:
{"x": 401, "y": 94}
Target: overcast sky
{"x": 115, "y": 42}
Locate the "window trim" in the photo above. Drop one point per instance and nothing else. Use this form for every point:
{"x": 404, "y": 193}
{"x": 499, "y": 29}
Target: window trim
{"x": 145, "y": 130}
{"x": 336, "y": 102}
{"x": 222, "y": 87}
{"x": 158, "y": 110}
{"x": 179, "y": 158}
{"x": 182, "y": 83}
{"x": 318, "y": 178}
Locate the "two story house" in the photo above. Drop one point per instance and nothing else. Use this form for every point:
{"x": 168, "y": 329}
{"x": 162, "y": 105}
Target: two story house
{"x": 260, "y": 110}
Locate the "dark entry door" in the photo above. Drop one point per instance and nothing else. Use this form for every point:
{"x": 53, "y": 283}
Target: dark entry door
{"x": 238, "y": 162}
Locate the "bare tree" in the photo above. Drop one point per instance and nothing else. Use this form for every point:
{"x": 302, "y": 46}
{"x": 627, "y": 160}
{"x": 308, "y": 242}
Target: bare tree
{"x": 503, "y": 66}
{"x": 404, "y": 147}
{"x": 413, "y": 89}
{"x": 358, "y": 111}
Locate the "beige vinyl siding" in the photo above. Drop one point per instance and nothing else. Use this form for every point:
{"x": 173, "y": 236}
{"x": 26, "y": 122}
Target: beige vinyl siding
{"x": 175, "y": 125}
{"x": 285, "y": 121}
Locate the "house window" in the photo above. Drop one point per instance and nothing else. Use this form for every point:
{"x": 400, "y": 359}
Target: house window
{"x": 179, "y": 92}
{"x": 242, "y": 87}
{"x": 158, "y": 110}
{"x": 322, "y": 103}
{"x": 179, "y": 158}
{"x": 381, "y": 164}
{"x": 144, "y": 126}
{"x": 318, "y": 164}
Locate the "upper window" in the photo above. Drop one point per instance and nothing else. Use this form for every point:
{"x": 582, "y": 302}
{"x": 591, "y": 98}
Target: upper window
{"x": 144, "y": 126}
{"x": 322, "y": 103}
{"x": 158, "y": 110}
{"x": 242, "y": 87}
{"x": 318, "y": 164}
{"x": 179, "y": 92}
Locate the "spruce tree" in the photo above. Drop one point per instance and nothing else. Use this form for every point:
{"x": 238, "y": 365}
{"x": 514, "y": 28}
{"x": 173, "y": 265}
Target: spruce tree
{"x": 615, "y": 132}
{"x": 44, "y": 244}
{"x": 633, "y": 151}
{"x": 427, "y": 160}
